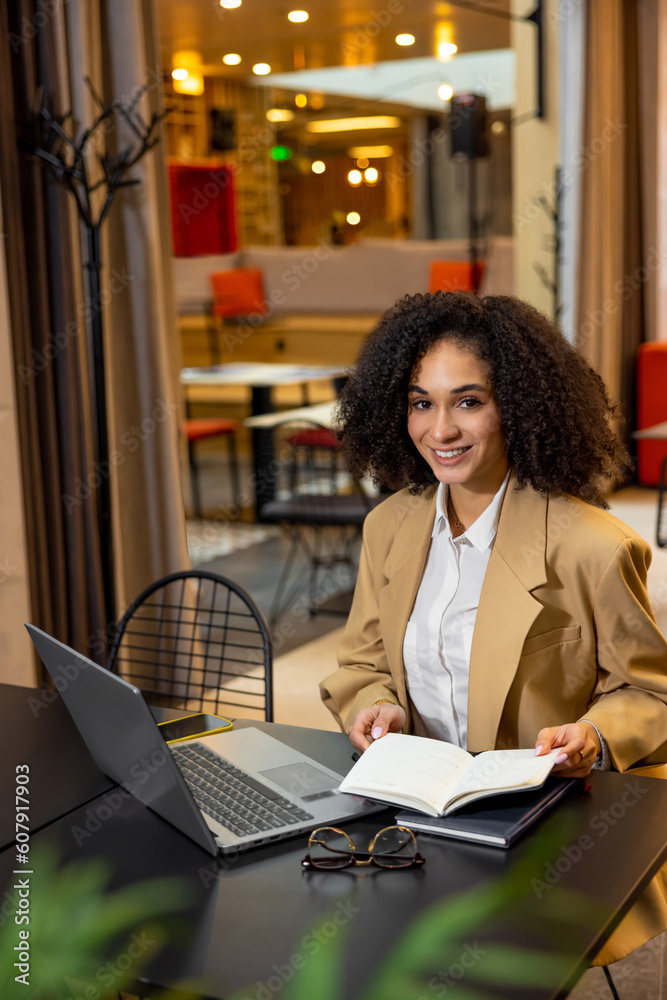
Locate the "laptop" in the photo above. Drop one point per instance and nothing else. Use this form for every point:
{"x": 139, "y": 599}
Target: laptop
{"x": 228, "y": 792}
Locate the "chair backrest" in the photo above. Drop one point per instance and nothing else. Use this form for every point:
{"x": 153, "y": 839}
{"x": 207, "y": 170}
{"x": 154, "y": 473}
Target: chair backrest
{"x": 238, "y": 292}
{"x": 308, "y": 461}
{"x": 309, "y": 479}
{"x": 197, "y": 641}
{"x": 455, "y": 276}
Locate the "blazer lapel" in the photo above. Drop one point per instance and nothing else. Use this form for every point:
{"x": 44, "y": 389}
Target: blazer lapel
{"x": 506, "y": 610}
{"x": 404, "y": 569}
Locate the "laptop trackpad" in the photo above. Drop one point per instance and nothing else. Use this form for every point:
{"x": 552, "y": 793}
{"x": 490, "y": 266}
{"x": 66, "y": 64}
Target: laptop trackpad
{"x": 301, "y": 779}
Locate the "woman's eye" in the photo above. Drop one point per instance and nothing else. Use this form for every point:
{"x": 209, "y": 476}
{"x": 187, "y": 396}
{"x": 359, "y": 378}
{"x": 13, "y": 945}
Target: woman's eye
{"x": 470, "y": 402}
{"x": 420, "y": 404}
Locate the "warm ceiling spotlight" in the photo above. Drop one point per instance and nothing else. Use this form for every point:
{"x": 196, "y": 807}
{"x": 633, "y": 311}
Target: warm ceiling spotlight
{"x": 353, "y": 124}
{"x": 354, "y": 177}
{"x": 297, "y": 16}
{"x": 192, "y": 85}
{"x": 369, "y": 152}
{"x": 317, "y": 101}
{"x": 445, "y": 92}
{"x": 498, "y": 127}
{"x": 261, "y": 69}
{"x": 231, "y": 59}
{"x": 318, "y": 166}
{"x": 301, "y": 100}
{"x": 446, "y": 50}
{"x": 371, "y": 175}
{"x": 405, "y": 39}
{"x": 362, "y": 162}
{"x": 187, "y": 73}
{"x": 279, "y": 115}
{"x": 353, "y": 218}
{"x": 230, "y": 4}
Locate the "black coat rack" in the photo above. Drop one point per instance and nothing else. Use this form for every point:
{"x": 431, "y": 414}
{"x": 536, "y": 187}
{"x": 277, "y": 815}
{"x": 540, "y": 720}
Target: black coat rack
{"x": 67, "y": 159}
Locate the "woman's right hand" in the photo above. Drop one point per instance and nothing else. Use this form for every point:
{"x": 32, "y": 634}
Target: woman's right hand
{"x": 372, "y": 723}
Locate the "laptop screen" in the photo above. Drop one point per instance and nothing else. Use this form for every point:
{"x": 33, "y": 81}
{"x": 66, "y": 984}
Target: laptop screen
{"x": 122, "y": 736}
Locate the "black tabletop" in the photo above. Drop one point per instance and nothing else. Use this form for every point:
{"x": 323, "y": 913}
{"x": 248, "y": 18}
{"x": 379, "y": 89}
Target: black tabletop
{"x": 254, "y": 917}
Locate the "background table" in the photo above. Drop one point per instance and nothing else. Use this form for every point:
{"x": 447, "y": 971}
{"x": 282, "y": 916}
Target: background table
{"x": 253, "y": 913}
{"x": 262, "y": 379}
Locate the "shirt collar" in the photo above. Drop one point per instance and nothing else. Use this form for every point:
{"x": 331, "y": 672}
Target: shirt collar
{"x": 481, "y": 532}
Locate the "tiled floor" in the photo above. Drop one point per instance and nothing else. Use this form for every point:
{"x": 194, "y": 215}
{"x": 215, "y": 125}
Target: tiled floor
{"x": 311, "y": 655}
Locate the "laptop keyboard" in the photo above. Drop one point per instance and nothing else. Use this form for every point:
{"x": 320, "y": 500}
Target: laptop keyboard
{"x": 231, "y": 796}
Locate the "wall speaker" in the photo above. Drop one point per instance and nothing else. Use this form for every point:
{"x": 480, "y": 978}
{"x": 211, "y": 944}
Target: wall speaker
{"x": 467, "y": 126}
{"x": 223, "y": 129}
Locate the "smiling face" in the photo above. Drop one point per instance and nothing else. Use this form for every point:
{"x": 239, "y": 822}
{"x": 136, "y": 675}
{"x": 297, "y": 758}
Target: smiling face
{"x": 454, "y": 421}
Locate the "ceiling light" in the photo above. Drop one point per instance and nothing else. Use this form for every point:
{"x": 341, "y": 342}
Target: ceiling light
{"x": 353, "y": 218}
{"x": 231, "y": 59}
{"x": 446, "y": 50}
{"x": 405, "y": 39}
{"x": 371, "y": 175}
{"x": 192, "y": 85}
{"x": 353, "y": 124}
{"x": 317, "y": 101}
{"x": 230, "y": 4}
{"x": 369, "y": 152}
{"x": 297, "y": 16}
{"x": 445, "y": 92}
{"x": 301, "y": 100}
{"x": 261, "y": 69}
{"x": 187, "y": 73}
{"x": 362, "y": 162}
{"x": 354, "y": 177}
{"x": 498, "y": 127}
{"x": 318, "y": 166}
{"x": 279, "y": 115}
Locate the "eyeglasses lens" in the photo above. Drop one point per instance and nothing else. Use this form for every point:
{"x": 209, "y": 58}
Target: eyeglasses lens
{"x": 329, "y": 848}
{"x": 394, "y": 848}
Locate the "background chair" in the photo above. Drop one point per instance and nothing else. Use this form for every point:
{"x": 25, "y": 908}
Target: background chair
{"x": 455, "y": 276}
{"x": 236, "y": 293}
{"x": 321, "y": 508}
{"x": 198, "y": 429}
{"x": 197, "y": 641}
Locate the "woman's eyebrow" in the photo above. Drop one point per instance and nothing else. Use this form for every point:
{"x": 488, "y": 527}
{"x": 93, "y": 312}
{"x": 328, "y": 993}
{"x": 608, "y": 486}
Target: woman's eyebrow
{"x": 471, "y": 386}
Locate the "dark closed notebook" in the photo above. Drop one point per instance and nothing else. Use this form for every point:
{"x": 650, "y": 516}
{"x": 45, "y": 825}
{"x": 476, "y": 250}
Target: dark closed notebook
{"x": 499, "y": 820}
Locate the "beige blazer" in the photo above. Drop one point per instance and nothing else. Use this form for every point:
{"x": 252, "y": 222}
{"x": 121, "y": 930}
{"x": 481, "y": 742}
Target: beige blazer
{"x": 564, "y": 631}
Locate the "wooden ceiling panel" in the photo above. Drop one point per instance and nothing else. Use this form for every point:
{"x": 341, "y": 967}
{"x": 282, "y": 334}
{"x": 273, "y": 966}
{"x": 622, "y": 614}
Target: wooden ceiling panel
{"x": 337, "y": 32}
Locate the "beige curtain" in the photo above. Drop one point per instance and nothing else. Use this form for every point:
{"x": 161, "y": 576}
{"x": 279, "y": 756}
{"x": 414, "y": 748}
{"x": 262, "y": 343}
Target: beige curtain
{"x": 114, "y": 44}
{"x": 16, "y": 664}
{"x": 612, "y": 273}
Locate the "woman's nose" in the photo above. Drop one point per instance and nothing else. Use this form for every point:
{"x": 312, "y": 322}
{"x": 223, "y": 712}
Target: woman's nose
{"x": 444, "y": 426}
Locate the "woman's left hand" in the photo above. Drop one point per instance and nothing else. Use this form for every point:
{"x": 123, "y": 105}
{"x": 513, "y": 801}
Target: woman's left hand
{"x": 580, "y": 746}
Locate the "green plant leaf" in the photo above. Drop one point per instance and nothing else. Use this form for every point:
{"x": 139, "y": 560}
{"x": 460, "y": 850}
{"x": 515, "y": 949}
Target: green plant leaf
{"x": 74, "y": 920}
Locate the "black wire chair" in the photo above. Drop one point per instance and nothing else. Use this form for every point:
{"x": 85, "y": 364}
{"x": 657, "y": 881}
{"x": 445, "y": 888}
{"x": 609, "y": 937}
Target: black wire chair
{"x": 197, "y": 641}
{"x": 321, "y": 509}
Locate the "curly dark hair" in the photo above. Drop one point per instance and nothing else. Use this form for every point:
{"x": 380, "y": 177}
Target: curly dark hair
{"x": 555, "y": 410}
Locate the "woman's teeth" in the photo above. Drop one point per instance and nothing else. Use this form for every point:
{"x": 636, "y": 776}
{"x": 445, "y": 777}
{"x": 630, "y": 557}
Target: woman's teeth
{"x": 451, "y": 454}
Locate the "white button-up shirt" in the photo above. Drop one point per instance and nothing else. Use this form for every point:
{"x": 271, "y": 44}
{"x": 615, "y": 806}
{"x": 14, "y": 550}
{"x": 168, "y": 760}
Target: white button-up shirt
{"x": 438, "y": 637}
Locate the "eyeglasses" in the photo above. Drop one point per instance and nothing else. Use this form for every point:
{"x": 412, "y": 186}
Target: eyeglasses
{"x": 330, "y": 849}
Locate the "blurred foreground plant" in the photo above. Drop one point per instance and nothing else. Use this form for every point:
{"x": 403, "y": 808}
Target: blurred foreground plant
{"x": 79, "y": 930}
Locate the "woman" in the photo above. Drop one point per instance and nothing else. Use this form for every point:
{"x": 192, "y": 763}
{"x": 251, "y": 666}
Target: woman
{"x": 497, "y": 603}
